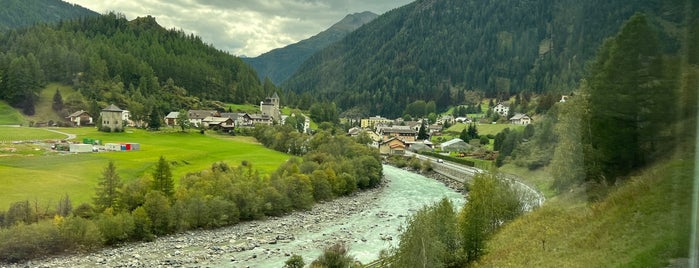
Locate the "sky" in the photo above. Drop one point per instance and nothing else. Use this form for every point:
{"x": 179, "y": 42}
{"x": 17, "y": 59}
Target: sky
{"x": 244, "y": 27}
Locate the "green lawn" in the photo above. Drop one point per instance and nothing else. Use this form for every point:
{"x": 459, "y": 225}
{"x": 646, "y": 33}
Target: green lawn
{"x": 47, "y": 177}
{"x": 9, "y": 134}
{"x": 10, "y": 116}
{"x": 483, "y": 129}
{"x": 243, "y": 108}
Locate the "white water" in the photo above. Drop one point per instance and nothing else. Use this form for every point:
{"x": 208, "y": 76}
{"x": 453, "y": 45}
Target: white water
{"x": 362, "y": 232}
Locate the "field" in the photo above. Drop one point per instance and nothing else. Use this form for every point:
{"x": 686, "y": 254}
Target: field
{"x": 9, "y": 134}
{"x": 45, "y": 176}
{"x": 483, "y": 129}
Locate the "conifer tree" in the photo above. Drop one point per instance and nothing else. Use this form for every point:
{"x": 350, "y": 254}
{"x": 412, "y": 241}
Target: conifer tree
{"x": 629, "y": 100}
{"x": 422, "y": 133}
{"x": 108, "y": 188}
{"x": 57, "y": 104}
{"x": 162, "y": 178}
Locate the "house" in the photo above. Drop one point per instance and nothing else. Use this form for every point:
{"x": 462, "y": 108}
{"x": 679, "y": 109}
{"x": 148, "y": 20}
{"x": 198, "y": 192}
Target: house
{"x": 372, "y": 121}
{"x": 455, "y": 145}
{"x": 463, "y": 119}
{"x": 521, "y": 119}
{"x": 435, "y": 128}
{"x": 256, "y": 119}
{"x": 112, "y": 118}
{"x": 171, "y": 118}
{"x": 502, "y": 108}
{"x": 126, "y": 117}
{"x": 196, "y": 116}
{"x": 80, "y": 118}
{"x": 406, "y": 133}
{"x": 225, "y": 124}
{"x": 393, "y": 146}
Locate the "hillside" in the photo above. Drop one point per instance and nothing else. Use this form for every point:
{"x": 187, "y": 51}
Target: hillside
{"x": 643, "y": 223}
{"x": 21, "y": 13}
{"x": 279, "y": 64}
{"x": 433, "y": 50}
{"x": 137, "y": 65}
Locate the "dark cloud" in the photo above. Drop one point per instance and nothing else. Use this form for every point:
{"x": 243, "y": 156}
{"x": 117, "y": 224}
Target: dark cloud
{"x": 244, "y": 27}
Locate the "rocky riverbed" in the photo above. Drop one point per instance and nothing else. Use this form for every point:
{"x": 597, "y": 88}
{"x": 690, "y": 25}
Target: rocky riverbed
{"x": 270, "y": 241}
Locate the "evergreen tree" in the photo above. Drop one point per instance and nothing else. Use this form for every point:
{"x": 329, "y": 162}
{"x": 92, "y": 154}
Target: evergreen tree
{"x": 629, "y": 100}
{"x": 472, "y": 131}
{"x": 422, "y": 133}
{"x": 108, "y": 188}
{"x": 57, "y": 104}
{"x": 162, "y": 178}
{"x": 155, "y": 121}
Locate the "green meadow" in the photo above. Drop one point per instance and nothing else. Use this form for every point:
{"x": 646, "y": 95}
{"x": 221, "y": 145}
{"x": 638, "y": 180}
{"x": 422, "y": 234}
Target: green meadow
{"x": 9, "y": 115}
{"x": 44, "y": 176}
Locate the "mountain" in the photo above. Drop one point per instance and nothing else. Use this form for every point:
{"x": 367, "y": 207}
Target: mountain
{"x": 21, "y": 13}
{"x": 137, "y": 65}
{"x": 279, "y": 64}
{"x": 434, "y": 50}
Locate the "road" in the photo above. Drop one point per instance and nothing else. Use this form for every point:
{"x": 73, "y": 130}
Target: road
{"x": 69, "y": 136}
{"x": 534, "y": 198}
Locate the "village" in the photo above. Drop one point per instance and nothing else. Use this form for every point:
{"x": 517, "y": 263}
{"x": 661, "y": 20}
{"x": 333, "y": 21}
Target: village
{"x": 390, "y": 136}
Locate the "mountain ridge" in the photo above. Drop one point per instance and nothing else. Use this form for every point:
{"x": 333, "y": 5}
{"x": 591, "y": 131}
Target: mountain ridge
{"x": 23, "y": 13}
{"x": 436, "y": 50}
{"x": 278, "y": 64}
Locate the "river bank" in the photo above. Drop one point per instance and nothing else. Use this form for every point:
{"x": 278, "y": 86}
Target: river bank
{"x": 368, "y": 221}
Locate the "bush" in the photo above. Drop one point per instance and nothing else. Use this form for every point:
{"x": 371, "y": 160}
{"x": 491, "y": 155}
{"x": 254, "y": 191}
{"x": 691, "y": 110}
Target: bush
{"x": 115, "y": 228}
{"x": 335, "y": 256}
{"x": 484, "y": 140}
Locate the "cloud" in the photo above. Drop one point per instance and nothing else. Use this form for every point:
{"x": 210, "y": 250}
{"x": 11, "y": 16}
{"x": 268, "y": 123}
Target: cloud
{"x": 244, "y": 27}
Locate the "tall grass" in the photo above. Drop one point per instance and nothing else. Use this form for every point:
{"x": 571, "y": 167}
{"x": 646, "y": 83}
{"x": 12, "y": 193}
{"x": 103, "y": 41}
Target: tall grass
{"x": 642, "y": 223}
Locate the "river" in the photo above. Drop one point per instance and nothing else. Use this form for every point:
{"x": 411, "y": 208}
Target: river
{"x": 367, "y": 223}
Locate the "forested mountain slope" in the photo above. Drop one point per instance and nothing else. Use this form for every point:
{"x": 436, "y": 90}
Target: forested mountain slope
{"x": 279, "y": 64}
{"x": 137, "y": 65}
{"x": 21, "y": 13}
{"x": 435, "y": 49}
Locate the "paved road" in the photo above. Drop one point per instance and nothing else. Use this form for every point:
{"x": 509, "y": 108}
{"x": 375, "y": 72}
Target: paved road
{"x": 69, "y": 136}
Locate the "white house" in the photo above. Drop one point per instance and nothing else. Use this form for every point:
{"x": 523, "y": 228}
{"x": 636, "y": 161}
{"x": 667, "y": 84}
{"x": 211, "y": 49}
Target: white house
{"x": 521, "y": 119}
{"x": 503, "y": 108}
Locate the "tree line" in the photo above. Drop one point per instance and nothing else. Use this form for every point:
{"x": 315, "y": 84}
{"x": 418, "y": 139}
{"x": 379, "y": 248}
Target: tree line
{"x": 327, "y": 167}
{"x": 137, "y": 65}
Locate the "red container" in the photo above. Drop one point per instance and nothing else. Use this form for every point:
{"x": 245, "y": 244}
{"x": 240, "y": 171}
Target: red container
{"x": 128, "y": 146}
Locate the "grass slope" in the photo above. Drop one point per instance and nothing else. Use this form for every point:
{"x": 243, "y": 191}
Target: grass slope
{"x": 9, "y": 134}
{"x": 10, "y": 116}
{"x": 643, "y": 223}
{"x": 43, "y": 108}
{"x": 45, "y": 177}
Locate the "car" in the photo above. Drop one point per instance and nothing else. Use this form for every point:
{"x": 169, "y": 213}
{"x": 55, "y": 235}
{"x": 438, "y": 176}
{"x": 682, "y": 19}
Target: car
{"x": 440, "y": 161}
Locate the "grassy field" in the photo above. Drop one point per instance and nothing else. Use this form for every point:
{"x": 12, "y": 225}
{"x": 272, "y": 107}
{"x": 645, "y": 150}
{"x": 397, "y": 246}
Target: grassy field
{"x": 483, "y": 129}
{"x": 9, "y": 134}
{"x": 45, "y": 177}
{"x": 643, "y": 223}
{"x": 10, "y": 116}
{"x": 243, "y": 108}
